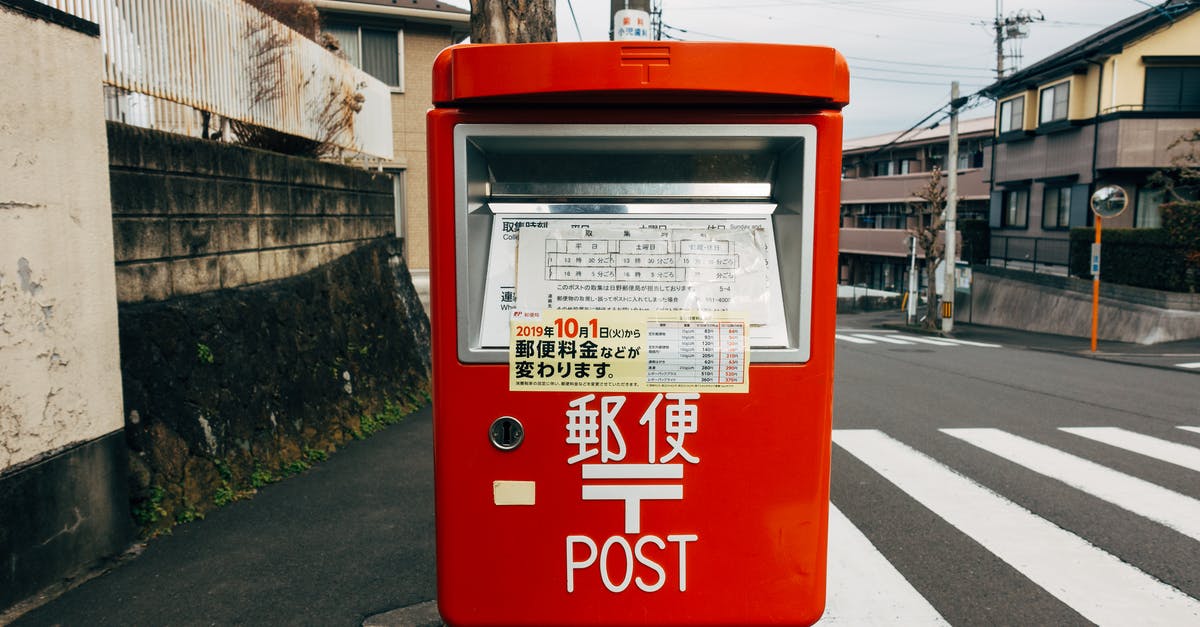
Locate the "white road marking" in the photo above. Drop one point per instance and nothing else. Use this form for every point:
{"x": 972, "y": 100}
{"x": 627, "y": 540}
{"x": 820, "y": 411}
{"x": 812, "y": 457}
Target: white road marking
{"x": 883, "y": 337}
{"x": 971, "y": 343}
{"x": 1179, "y": 512}
{"x": 1191, "y": 365}
{"x": 1163, "y": 450}
{"x": 1192, "y": 429}
{"x": 863, "y": 588}
{"x": 852, "y": 339}
{"x": 1096, "y": 584}
{"x": 926, "y": 340}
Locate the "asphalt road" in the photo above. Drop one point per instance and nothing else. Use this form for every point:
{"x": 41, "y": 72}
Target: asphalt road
{"x": 943, "y": 507}
{"x": 952, "y": 462}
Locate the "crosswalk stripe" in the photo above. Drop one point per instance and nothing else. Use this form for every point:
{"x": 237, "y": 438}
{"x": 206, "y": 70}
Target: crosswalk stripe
{"x": 925, "y": 340}
{"x": 1194, "y": 364}
{"x": 863, "y": 588}
{"x": 884, "y": 337}
{"x": 1179, "y": 512}
{"x": 1192, "y": 429}
{"x": 1095, "y": 583}
{"x": 852, "y": 339}
{"x": 971, "y": 343}
{"x": 1163, "y": 450}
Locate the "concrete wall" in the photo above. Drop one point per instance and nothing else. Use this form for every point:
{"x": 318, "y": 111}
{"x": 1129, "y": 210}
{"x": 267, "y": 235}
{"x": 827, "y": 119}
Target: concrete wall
{"x": 192, "y": 216}
{"x": 62, "y": 494}
{"x": 1063, "y": 306}
{"x": 57, "y": 300}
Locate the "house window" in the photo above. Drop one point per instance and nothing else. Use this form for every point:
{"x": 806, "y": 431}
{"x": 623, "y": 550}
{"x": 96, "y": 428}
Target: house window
{"x": 906, "y": 166}
{"x": 884, "y": 168}
{"x": 970, "y": 159}
{"x": 1056, "y": 207}
{"x": 1172, "y": 89}
{"x": 1012, "y": 115}
{"x": 1147, "y": 214}
{"x": 376, "y": 51}
{"x": 1054, "y": 103}
{"x": 1016, "y": 209}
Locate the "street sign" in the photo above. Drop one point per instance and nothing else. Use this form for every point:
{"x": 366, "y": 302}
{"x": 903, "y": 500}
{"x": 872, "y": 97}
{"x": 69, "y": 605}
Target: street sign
{"x": 1095, "y": 259}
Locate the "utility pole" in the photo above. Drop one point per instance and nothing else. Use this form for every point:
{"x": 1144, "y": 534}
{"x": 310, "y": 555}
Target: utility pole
{"x": 1015, "y": 26}
{"x": 950, "y": 257}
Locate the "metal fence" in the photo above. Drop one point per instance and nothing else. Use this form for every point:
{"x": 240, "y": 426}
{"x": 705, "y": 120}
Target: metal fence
{"x": 165, "y": 61}
{"x": 1037, "y": 254}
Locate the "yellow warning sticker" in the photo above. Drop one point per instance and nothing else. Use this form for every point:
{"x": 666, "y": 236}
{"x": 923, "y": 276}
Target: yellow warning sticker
{"x": 650, "y": 351}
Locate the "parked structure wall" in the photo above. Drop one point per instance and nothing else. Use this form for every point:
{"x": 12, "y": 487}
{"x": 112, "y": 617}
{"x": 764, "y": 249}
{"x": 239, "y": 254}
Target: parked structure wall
{"x": 62, "y": 490}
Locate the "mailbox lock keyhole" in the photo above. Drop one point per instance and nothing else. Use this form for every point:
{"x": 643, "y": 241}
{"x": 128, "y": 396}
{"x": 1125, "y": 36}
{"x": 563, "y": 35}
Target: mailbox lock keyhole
{"x": 506, "y": 433}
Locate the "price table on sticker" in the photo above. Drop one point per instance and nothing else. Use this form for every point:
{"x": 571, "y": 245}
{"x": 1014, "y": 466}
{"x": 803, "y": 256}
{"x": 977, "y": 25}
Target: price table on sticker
{"x": 680, "y": 351}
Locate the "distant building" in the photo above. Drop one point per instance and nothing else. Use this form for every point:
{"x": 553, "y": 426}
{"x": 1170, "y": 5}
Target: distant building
{"x": 397, "y": 43}
{"x": 1102, "y": 111}
{"x": 880, "y": 176}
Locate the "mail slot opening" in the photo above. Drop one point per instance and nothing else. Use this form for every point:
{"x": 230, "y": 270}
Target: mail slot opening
{"x": 707, "y": 218}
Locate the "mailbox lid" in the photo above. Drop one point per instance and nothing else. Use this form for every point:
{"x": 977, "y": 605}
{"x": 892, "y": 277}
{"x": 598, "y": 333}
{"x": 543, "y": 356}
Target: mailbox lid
{"x": 622, "y": 72}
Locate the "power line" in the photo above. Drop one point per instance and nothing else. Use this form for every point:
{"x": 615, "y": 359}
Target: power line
{"x": 578, "y": 32}
{"x": 854, "y": 67}
{"x": 860, "y": 77}
{"x": 693, "y": 32}
{"x": 934, "y": 65}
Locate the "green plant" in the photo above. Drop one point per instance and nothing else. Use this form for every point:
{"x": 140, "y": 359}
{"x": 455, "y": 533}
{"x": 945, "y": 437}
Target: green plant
{"x": 294, "y": 468}
{"x": 204, "y": 353}
{"x": 315, "y": 455}
{"x": 224, "y": 495}
{"x": 261, "y": 477}
{"x": 392, "y": 413}
{"x": 150, "y": 510}
{"x": 223, "y": 470}
{"x": 188, "y": 515}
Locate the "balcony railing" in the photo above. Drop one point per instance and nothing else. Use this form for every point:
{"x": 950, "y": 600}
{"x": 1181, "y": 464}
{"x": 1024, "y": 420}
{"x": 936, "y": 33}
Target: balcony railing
{"x": 1036, "y": 254}
{"x": 165, "y": 62}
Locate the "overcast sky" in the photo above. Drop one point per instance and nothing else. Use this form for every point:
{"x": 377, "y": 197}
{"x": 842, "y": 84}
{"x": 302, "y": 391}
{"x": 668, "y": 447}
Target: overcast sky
{"x": 902, "y": 53}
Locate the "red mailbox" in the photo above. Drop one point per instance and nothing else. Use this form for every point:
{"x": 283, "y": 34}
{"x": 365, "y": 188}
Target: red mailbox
{"x": 634, "y": 260}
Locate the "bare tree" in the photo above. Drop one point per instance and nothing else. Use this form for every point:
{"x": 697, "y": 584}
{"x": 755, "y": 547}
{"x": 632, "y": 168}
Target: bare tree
{"x": 512, "y": 21}
{"x": 928, "y": 218}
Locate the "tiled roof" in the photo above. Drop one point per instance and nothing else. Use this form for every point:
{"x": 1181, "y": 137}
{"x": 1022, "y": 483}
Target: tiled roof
{"x": 1107, "y": 41}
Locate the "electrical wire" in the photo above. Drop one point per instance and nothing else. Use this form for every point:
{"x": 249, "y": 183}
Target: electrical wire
{"x": 577, "y": 31}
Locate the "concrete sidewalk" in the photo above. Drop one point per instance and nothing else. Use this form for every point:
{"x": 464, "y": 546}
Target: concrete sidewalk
{"x": 1167, "y": 355}
{"x": 351, "y": 538}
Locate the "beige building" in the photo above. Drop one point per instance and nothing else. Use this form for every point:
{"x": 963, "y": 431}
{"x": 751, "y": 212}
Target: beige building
{"x": 1102, "y": 111}
{"x": 397, "y": 42}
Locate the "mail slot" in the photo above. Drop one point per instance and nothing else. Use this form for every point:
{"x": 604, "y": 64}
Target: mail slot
{"x": 633, "y": 275}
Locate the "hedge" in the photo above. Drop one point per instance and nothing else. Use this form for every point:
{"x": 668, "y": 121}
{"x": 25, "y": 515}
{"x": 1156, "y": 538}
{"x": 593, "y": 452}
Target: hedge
{"x": 1137, "y": 257}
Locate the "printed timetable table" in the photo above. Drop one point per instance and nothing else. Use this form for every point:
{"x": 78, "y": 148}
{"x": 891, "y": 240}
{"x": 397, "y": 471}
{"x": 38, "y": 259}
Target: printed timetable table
{"x": 696, "y": 352}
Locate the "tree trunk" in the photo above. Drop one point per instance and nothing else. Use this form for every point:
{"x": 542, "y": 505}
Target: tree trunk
{"x": 931, "y": 298}
{"x": 512, "y": 21}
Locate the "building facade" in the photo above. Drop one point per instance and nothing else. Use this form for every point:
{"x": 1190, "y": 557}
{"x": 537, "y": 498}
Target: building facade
{"x": 397, "y": 43}
{"x": 1102, "y": 111}
{"x": 880, "y": 178}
